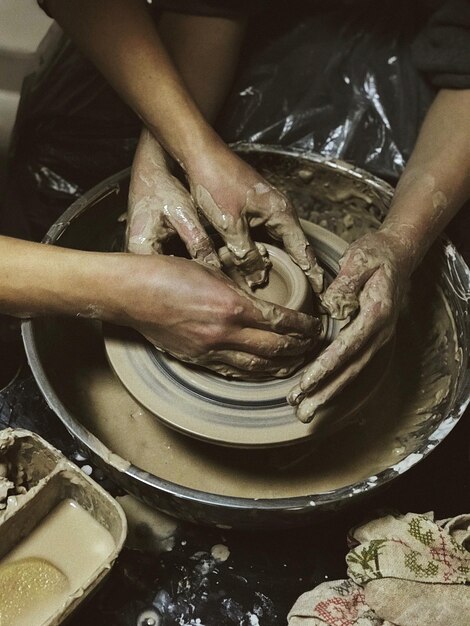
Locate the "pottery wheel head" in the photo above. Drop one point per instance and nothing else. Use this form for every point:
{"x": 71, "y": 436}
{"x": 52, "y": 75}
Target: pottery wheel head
{"x": 241, "y": 413}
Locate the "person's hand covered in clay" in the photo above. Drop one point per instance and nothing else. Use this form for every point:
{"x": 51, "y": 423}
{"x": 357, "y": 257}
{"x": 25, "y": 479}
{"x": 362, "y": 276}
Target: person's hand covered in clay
{"x": 373, "y": 276}
{"x": 234, "y": 197}
{"x": 160, "y": 207}
{"x": 197, "y": 314}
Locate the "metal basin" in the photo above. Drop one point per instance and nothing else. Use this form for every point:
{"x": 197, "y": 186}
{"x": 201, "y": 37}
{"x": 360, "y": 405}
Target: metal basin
{"x": 333, "y": 194}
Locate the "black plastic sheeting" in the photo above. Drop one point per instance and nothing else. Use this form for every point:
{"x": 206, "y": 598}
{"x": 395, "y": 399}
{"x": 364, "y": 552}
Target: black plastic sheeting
{"x": 340, "y": 82}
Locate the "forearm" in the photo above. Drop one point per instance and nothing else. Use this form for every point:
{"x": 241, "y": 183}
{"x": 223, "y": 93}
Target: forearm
{"x": 37, "y": 279}
{"x": 120, "y": 38}
{"x": 436, "y": 181}
{"x": 205, "y": 51}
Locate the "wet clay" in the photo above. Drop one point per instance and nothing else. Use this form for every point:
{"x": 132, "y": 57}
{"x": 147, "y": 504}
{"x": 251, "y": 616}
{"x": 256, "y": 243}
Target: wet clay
{"x": 12, "y": 477}
{"x": 250, "y": 411}
{"x": 345, "y": 205}
{"x": 418, "y": 392}
{"x": 408, "y": 407}
{"x": 267, "y": 205}
{"x": 287, "y": 285}
{"x": 251, "y": 261}
{"x": 160, "y": 207}
{"x": 54, "y": 561}
{"x": 6, "y": 486}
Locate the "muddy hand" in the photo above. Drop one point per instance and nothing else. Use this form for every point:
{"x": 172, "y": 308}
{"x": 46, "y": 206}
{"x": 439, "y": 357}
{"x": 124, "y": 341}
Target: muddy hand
{"x": 234, "y": 197}
{"x": 160, "y": 207}
{"x": 372, "y": 280}
{"x": 209, "y": 321}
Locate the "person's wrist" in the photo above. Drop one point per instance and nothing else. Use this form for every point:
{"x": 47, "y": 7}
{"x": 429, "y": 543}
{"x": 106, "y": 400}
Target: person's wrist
{"x": 401, "y": 242}
{"x": 120, "y": 278}
{"x": 203, "y": 156}
{"x": 218, "y": 169}
{"x": 149, "y": 157}
{"x": 190, "y": 142}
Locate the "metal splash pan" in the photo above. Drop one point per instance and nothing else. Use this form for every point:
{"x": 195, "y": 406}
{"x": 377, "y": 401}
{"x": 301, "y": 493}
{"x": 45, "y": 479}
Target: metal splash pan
{"x": 330, "y": 193}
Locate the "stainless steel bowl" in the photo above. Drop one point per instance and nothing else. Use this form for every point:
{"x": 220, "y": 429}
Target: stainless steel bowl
{"x": 344, "y": 199}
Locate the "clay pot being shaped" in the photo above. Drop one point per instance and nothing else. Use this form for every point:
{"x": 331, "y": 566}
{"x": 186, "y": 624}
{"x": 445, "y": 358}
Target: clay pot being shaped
{"x": 287, "y": 285}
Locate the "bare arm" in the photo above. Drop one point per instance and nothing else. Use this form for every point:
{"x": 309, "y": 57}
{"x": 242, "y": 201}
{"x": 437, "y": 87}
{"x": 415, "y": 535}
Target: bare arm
{"x": 120, "y": 38}
{"x": 231, "y": 332}
{"x": 205, "y": 51}
{"x": 436, "y": 181}
{"x": 376, "y": 268}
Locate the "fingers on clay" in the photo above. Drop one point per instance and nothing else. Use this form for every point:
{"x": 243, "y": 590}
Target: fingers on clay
{"x": 311, "y": 402}
{"x": 146, "y": 231}
{"x": 283, "y": 224}
{"x": 241, "y": 363}
{"x": 252, "y": 261}
{"x": 282, "y": 320}
{"x": 297, "y": 246}
{"x": 234, "y": 230}
{"x": 341, "y": 299}
{"x": 349, "y": 342}
{"x": 268, "y": 344}
{"x": 187, "y": 225}
{"x": 143, "y": 246}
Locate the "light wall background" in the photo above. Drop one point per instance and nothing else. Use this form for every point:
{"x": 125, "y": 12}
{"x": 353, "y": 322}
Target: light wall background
{"x": 22, "y": 27}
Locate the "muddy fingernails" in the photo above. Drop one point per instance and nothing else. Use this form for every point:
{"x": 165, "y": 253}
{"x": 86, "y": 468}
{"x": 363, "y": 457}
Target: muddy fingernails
{"x": 295, "y": 395}
{"x": 340, "y": 305}
{"x": 213, "y": 259}
{"x": 315, "y": 277}
{"x": 306, "y": 411}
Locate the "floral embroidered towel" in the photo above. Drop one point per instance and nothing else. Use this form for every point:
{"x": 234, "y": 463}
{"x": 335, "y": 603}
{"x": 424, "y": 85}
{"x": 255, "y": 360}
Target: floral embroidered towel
{"x": 404, "y": 570}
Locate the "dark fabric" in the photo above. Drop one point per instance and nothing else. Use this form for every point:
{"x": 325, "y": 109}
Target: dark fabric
{"x": 71, "y": 131}
{"x": 442, "y": 49}
{"x": 214, "y": 8}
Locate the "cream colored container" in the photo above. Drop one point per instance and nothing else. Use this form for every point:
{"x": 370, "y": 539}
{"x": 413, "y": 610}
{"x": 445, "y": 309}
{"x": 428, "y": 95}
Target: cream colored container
{"x": 60, "y": 532}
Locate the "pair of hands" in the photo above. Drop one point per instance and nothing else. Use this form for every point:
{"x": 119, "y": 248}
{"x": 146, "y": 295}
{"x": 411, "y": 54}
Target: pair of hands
{"x": 209, "y": 321}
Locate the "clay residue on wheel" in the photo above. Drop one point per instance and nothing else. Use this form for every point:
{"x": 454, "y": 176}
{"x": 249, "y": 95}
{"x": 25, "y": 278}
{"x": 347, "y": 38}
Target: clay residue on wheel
{"x": 346, "y": 206}
{"x": 287, "y": 285}
{"x": 15, "y": 473}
